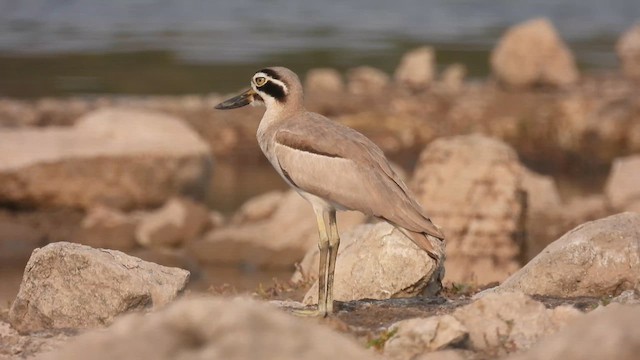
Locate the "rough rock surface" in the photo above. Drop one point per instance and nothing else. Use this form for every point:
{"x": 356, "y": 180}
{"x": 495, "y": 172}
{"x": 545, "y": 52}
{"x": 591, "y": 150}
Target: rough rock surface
{"x": 273, "y": 235}
{"x": 471, "y": 187}
{"x": 74, "y": 286}
{"x": 414, "y": 337}
{"x": 417, "y": 69}
{"x": 623, "y": 185}
{"x": 378, "y": 262}
{"x": 628, "y": 49}
{"x": 180, "y": 220}
{"x": 532, "y": 53}
{"x": 214, "y": 329}
{"x": 605, "y": 333}
{"x": 599, "y": 258}
{"x": 118, "y": 157}
{"x": 511, "y": 321}
{"x": 105, "y": 227}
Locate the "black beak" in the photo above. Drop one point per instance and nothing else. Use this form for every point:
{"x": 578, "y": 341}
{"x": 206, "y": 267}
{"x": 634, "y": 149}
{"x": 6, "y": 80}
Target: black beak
{"x": 241, "y": 100}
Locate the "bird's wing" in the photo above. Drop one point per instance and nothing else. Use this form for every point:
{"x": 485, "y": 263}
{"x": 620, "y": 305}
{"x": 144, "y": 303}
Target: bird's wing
{"x": 339, "y": 164}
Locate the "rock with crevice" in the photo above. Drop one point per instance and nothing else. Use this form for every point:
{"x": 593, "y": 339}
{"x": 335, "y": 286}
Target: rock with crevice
{"x": 377, "y": 261}
{"x": 179, "y": 221}
{"x": 533, "y": 53}
{"x": 508, "y": 322}
{"x": 598, "y": 258}
{"x": 71, "y": 286}
{"x": 275, "y": 230}
{"x": 471, "y": 186}
{"x": 119, "y": 157}
{"x": 414, "y": 337}
{"x": 214, "y": 328}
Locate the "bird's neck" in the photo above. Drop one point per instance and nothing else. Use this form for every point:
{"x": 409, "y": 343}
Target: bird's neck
{"x": 280, "y": 111}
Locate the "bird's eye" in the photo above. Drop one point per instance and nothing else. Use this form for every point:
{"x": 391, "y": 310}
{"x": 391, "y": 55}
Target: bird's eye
{"x": 260, "y": 81}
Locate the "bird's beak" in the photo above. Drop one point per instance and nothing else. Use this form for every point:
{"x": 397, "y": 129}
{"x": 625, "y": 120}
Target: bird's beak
{"x": 241, "y": 100}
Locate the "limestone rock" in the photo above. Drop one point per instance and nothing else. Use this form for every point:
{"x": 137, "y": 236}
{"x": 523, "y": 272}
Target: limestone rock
{"x": 379, "y": 262}
{"x": 532, "y": 53}
{"x": 258, "y": 208}
{"x": 180, "y": 220}
{"x": 542, "y": 192}
{"x": 472, "y": 188}
{"x": 628, "y": 49}
{"x": 280, "y": 239}
{"x": 322, "y": 82}
{"x": 417, "y": 69}
{"x": 623, "y": 185}
{"x": 452, "y": 79}
{"x": 599, "y": 258}
{"x": 118, "y": 157}
{"x": 366, "y": 80}
{"x": 214, "y": 328}
{"x": 457, "y": 354}
{"x": 511, "y": 321}
{"x": 104, "y": 227}
{"x": 609, "y": 333}
{"x": 74, "y": 286}
{"x": 417, "y": 336}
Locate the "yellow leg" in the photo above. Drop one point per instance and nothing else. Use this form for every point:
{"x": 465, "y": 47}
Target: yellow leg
{"x": 323, "y": 218}
{"x": 334, "y": 244}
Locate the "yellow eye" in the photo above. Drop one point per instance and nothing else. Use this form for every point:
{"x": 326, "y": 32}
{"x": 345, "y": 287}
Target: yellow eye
{"x": 260, "y": 81}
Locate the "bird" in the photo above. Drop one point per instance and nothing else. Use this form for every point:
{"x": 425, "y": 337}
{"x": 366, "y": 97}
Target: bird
{"x": 334, "y": 168}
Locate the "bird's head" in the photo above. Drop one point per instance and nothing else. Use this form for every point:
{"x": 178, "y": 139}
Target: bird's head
{"x": 274, "y": 86}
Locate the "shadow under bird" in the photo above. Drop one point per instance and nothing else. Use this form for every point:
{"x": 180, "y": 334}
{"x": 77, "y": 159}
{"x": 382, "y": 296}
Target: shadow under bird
{"x": 334, "y": 168}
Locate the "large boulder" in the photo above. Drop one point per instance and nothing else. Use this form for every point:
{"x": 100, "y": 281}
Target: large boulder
{"x": 599, "y": 258}
{"x": 74, "y": 286}
{"x": 417, "y": 69}
{"x": 606, "y": 333}
{"x": 379, "y": 262}
{"x": 628, "y": 49}
{"x": 532, "y": 53}
{"x": 118, "y": 157}
{"x": 270, "y": 230}
{"x": 472, "y": 188}
{"x": 623, "y": 185}
{"x": 214, "y": 328}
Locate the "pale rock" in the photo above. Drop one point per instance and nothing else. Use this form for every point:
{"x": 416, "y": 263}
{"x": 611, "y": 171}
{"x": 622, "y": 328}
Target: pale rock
{"x": 542, "y": 192}
{"x": 471, "y": 186}
{"x": 532, "y": 53}
{"x": 414, "y": 337}
{"x": 623, "y": 185}
{"x": 69, "y": 285}
{"x": 179, "y": 221}
{"x": 511, "y": 321}
{"x": 280, "y": 239}
{"x": 599, "y": 258}
{"x": 118, "y": 157}
{"x": 628, "y": 50}
{"x": 105, "y": 227}
{"x": 366, "y": 80}
{"x": 452, "y": 78}
{"x": 627, "y": 297}
{"x": 608, "y": 333}
{"x": 324, "y": 81}
{"x": 214, "y": 328}
{"x": 417, "y": 69}
{"x": 457, "y": 354}
{"x": 380, "y": 262}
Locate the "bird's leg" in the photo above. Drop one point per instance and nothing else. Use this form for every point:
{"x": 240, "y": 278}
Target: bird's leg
{"x": 323, "y": 230}
{"x": 334, "y": 243}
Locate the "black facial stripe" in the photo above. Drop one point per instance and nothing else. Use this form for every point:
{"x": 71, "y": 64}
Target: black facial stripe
{"x": 271, "y": 73}
{"x": 273, "y": 89}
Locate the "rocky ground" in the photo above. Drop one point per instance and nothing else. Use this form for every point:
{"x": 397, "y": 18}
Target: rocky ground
{"x": 101, "y": 203}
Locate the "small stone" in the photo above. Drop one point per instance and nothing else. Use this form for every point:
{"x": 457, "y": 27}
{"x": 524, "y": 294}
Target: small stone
{"x": 628, "y": 49}
{"x": 366, "y": 80}
{"x": 108, "y": 228}
{"x": 323, "y": 82}
{"x": 623, "y": 185}
{"x": 417, "y": 69}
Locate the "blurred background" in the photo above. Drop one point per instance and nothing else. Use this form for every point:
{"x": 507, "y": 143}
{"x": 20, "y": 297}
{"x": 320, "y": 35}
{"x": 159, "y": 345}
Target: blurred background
{"x": 71, "y": 172}
{"x": 63, "y": 47}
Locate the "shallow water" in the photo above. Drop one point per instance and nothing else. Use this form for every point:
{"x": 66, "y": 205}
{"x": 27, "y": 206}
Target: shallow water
{"x": 55, "y": 47}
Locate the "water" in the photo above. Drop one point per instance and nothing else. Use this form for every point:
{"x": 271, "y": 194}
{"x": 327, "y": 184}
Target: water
{"x": 193, "y": 42}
